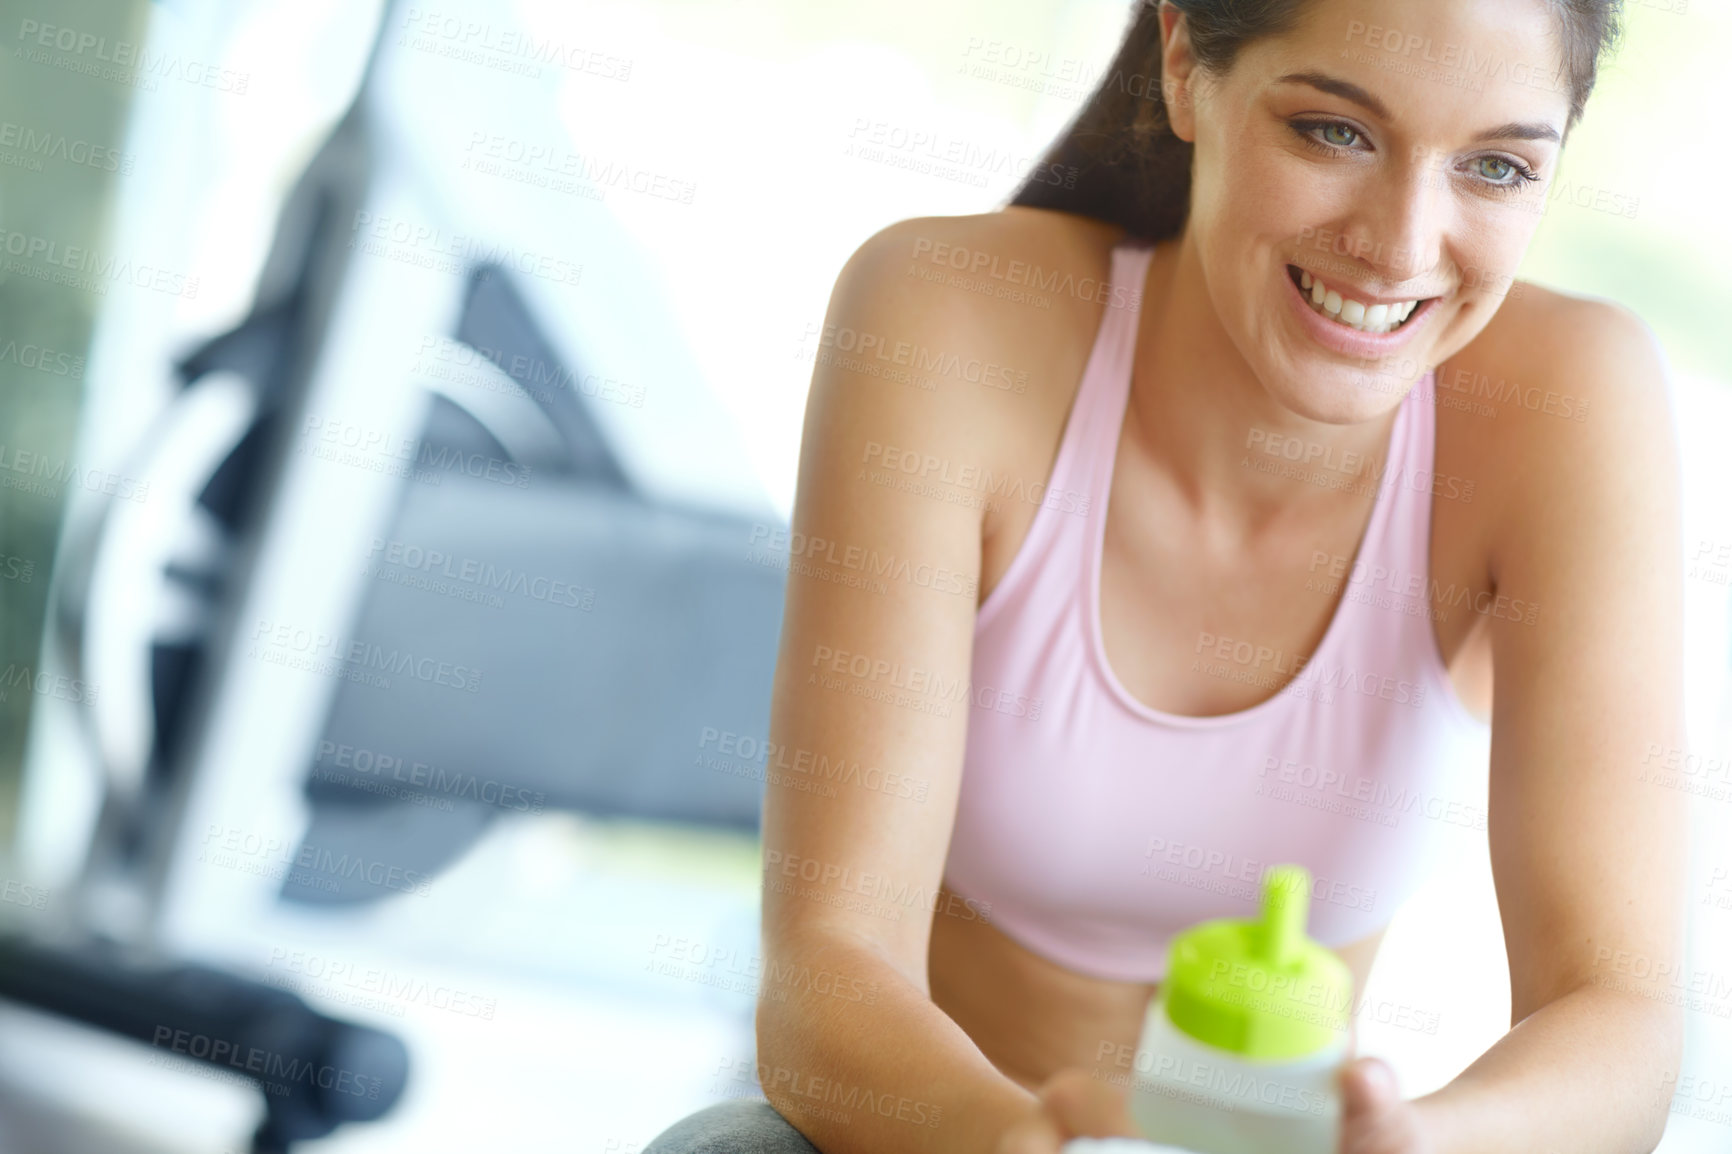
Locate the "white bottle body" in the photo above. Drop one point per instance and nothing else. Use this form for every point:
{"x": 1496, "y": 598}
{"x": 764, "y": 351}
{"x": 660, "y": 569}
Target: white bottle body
{"x": 1186, "y": 1093}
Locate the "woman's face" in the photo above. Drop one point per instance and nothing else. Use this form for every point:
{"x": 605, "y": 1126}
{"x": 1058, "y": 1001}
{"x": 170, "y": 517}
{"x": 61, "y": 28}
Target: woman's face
{"x": 1393, "y": 155}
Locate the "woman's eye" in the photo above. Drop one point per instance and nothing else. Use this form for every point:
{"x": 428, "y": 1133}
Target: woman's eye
{"x": 1340, "y": 135}
{"x": 1495, "y": 169}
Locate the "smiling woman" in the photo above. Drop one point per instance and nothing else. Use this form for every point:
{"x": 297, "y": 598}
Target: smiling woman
{"x": 1305, "y": 239}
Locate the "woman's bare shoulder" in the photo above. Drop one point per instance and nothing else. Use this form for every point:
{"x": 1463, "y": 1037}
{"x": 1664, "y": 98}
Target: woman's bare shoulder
{"x": 1555, "y": 354}
{"x": 972, "y": 333}
{"x": 1022, "y": 289}
{"x": 1561, "y": 400}
{"x": 972, "y": 309}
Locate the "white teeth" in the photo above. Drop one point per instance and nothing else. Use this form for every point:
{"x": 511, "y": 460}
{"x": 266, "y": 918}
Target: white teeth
{"x": 1381, "y": 318}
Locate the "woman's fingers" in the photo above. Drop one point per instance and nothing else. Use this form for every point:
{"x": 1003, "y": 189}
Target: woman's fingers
{"x": 1375, "y": 1119}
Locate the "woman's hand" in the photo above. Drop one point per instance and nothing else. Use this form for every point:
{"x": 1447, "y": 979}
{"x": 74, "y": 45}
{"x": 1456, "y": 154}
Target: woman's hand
{"x": 1071, "y": 1105}
{"x": 1375, "y": 1119}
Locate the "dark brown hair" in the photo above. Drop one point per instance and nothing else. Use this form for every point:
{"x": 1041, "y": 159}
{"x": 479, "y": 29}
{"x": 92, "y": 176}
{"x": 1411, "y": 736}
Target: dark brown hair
{"x": 1130, "y": 170}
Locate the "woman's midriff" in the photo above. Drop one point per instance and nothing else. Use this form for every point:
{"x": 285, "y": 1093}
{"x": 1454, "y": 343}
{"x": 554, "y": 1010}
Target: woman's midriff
{"x": 1032, "y": 1017}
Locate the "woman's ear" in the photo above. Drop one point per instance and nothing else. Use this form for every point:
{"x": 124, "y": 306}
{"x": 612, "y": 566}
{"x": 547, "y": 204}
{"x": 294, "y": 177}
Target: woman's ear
{"x": 1178, "y": 72}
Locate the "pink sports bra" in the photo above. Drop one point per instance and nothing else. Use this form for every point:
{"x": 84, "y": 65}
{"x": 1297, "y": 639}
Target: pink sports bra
{"x": 1094, "y": 827}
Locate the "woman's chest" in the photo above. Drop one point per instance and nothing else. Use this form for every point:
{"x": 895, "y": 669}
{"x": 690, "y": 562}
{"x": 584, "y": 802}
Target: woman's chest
{"x": 1198, "y": 617}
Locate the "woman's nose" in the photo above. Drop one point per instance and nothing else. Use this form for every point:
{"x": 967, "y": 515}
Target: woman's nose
{"x": 1397, "y": 229}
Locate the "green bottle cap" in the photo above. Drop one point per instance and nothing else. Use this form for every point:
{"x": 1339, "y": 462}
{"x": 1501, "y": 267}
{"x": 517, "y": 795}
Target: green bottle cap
{"x": 1258, "y": 987}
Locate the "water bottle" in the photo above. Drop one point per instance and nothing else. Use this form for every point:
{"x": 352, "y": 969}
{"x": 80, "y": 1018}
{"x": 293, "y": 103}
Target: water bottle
{"x": 1241, "y": 1044}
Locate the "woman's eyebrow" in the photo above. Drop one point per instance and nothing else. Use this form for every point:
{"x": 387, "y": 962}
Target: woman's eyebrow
{"x": 1537, "y": 130}
{"x": 1347, "y": 90}
{"x": 1335, "y": 86}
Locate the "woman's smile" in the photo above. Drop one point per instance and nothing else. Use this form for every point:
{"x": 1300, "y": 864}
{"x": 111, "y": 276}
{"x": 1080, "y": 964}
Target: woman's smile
{"x": 1352, "y": 307}
{"x": 1350, "y": 321}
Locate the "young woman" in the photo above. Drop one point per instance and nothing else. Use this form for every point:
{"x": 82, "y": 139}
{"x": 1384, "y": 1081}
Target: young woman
{"x": 1230, "y": 454}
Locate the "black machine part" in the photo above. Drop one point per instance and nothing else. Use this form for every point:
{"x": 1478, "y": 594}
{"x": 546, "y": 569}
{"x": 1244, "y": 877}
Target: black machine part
{"x": 316, "y": 1073}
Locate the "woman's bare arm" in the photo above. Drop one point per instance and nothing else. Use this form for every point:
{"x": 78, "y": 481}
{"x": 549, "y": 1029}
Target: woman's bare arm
{"x": 866, "y": 677}
{"x": 1588, "y": 854}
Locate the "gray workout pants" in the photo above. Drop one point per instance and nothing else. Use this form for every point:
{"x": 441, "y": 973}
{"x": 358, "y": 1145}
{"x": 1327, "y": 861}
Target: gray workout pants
{"x": 736, "y": 1126}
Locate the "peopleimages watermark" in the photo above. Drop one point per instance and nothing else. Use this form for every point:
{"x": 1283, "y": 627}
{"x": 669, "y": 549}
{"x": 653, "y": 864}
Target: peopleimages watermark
{"x": 860, "y": 890}
{"x": 276, "y": 859}
{"x": 932, "y": 152}
{"x": 1507, "y": 392}
{"x": 17, "y": 893}
{"x": 558, "y": 169}
{"x": 910, "y": 686}
{"x": 857, "y": 566}
{"x": 379, "y": 769}
{"x": 1671, "y": 767}
{"x": 1176, "y": 1075}
{"x": 773, "y": 548}
{"x": 27, "y": 146}
{"x": 299, "y": 648}
{"x": 121, "y": 61}
{"x": 1711, "y": 561}
{"x": 29, "y": 355}
{"x": 807, "y": 1094}
{"x": 1363, "y": 798}
{"x": 40, "y": 475}
{"x": 742, "y": 755}
{"x": 469, "y": 578}
{"x": 726, "y": 968}
{"x": 275, "y": 1071}
{"x": 1296, "y": 674}
{"x": 340, "y": 442}
{"x": 371, "y": 987}
{"x": 920, "y": 473}
{"x": 1456, "y": 65}
{"x": 1663, "y": 980}
{"x": 1327, "y": 467}
{"x": 1468, "y": 390}
{"x": 1693, "y": 1096}
{"x": 44, "y": 684}
{"x": 877, "y": 355}
{"x": 502, "y": 48}
{"x": 46, "y": 259}
{"x": 1417, "y": 594}
{"x": 1234, "y": 875}
{"x": 480, "y": 367}
{"x": 410, "y": 242}
{"x": 1319, "y": 1003}
{"x": 1020, "y": 274}
{"x": 1718, "y": 888}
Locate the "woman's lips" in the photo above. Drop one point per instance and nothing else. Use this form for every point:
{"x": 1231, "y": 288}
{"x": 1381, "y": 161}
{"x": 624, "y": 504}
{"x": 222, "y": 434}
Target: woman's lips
{"x": 1345, "y": 339}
